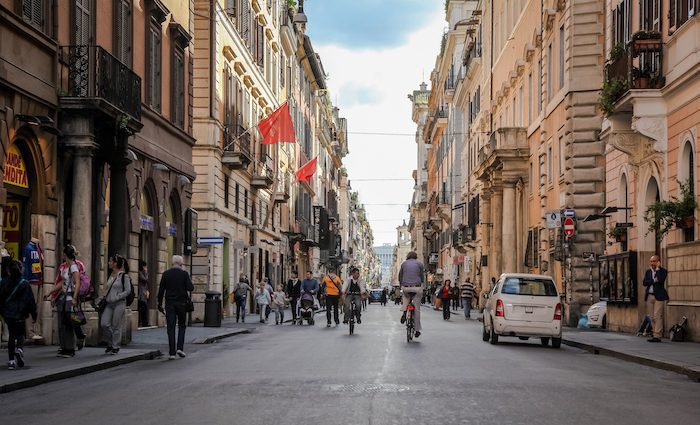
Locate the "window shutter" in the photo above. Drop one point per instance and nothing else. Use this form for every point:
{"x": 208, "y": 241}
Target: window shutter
{"x": 245, "y": 22}
{"x": 231, "y": 8}
{"x": 82, "y": 23}
{"x": 27, "y": 9}
{"x": 37, "y": 18}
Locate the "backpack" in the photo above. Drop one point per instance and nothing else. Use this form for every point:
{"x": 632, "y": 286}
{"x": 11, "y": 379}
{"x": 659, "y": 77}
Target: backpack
{"x": 86, "y": 287}
{"x": 132, "y": 293}
{"x": 677, "y": 331}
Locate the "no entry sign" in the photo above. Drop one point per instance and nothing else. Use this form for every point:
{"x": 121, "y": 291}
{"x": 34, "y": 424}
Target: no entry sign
{"x": 569, "y": 227}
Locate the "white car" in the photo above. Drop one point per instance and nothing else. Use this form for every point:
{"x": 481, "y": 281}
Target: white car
{"x": 597, "y": 315}
{"x": 524, "y": 306}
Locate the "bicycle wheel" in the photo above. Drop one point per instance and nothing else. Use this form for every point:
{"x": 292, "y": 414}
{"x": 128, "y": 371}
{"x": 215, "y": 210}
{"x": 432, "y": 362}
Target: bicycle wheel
{"x": 352, "y": 326}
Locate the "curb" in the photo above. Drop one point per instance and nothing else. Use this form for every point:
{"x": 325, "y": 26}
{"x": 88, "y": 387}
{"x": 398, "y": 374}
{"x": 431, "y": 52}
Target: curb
{"x": 32, "y": 382}
{"x": 213, "y": 338}
{"x": 671, "y": 367}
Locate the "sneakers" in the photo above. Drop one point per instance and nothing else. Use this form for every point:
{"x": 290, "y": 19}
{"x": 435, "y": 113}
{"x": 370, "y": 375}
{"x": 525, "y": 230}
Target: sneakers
{"x": 181, "y": 354}
{"x": 403, "y": 318}
{"x": 19, "y": 357}
{"x": 109, "y": 349}
{"x": 359, "y": 321}
{"x": 81, "y": 343}
{"x": 11, "y": 365}
{"x": 65, "y": 354}
{"x": 171, "y": 357}
{"x": 655, "y": 339}
{"x": 417, "y": 334}
{"x": 114, "y": 351}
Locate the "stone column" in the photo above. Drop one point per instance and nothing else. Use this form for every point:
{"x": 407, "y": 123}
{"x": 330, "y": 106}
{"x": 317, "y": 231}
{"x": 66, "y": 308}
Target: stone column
{"x": 119, "y": 209}
{"x": 508, "y": 250}
{"x": 485, "y": 229}
{"x": 496, "y": 242}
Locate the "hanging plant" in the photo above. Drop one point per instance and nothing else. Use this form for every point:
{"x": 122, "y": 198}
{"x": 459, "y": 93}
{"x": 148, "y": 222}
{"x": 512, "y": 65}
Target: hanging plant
{"x": 617, "y": 51}
{"x": 618, "y": 233}
{"x": 662, "y": 216}
{"x": 611, "y": 91}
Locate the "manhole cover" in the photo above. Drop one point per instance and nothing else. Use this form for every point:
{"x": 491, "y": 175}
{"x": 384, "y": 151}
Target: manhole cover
{"x": 370, "y": 388}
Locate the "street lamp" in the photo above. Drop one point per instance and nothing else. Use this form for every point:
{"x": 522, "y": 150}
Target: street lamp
{"x": 300, "y": 17}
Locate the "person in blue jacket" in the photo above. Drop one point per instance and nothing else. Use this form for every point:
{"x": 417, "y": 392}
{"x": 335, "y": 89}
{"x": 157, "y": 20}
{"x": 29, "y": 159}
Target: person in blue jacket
{"x": 16, "y": 305}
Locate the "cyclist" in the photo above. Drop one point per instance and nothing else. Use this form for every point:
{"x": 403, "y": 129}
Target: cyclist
{"x": 353, "y": 289}
{"x": 411, "y": 280}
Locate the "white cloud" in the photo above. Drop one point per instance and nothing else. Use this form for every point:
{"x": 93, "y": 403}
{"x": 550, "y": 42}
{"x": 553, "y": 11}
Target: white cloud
{"x": 391, "y": 74}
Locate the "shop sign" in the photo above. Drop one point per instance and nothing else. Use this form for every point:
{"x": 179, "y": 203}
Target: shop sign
{"x": 147, "y": 223}
{"x": 172, "y": 229}
{"x": 12, "y": 212}
{"x": 15, "y": 171}
{"x": 433, "y": 258}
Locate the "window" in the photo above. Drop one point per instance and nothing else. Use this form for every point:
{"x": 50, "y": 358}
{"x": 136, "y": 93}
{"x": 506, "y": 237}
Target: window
{"x": 530, "y": 287}
{"x": 238, "y": 198}
{"x": 33, "y": 13}
{"x": 154, "y": 63}
{"x": 532, "y": 250}
{"x": 178, "y": 87}
{"x": 226, "y": 190}
{"x": 539, "y": 171}
{"x": 521, "y": 121}
{"x": 680, "y": 11}
{"x": 549, "y": 164}
{"x": 531, "y": 181}
{"x": 123, "y": 31}
{"x": 650, "y": 15}
{"x": 283, "y": 69}
{"x": 539, "y": 86}
{"x": 515, "y": 111}
{"x": 245, "y": 203}
{"x": 529, "y": 99}
{"x": 622, "y": 28}
{"x": 562, "y": 58}
{"x": 550, "y": 72}
{"x": 83, "y": 21}
{"x": 562, "y": 156}
{"x": 507, "y": 116}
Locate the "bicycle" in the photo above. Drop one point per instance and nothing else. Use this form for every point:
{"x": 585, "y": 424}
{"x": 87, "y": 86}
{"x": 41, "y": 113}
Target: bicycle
{"x": 410, "y": 323}
{"x": 353, "y": 312}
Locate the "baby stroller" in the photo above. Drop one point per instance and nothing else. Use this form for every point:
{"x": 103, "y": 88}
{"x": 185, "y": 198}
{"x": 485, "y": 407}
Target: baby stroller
{"x": 306, "y": 309}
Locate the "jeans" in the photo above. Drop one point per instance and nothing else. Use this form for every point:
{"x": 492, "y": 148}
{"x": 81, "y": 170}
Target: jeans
{"x": 418, "y": 290}
{"x": 332, "y": 304}
{"x": 172, "y": 316}
{"x": 240, "y": 308}
{"x": 279, "y": 313}
{"x": 346, "y": 307}
{"x": 262, "y": 308}
{"x": 467, "y": 307}
{"x": 15, "y": 338}
{"x": 446, "y": 308}
{"x": 293, "y": 304}
{"x": 111, "y": 323}
{"x": 143, "y": 313}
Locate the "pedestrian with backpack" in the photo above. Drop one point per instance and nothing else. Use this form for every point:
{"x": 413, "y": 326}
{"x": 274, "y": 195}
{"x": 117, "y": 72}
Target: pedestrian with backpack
{"x": 240, "y": 295}
{"x": 65, "y": 296}
{"x": 118, "y": 289}
{"x": 17, "y": 303}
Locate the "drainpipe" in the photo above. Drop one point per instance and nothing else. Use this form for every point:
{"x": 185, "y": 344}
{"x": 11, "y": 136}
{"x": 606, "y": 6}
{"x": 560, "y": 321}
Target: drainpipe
{"x": 491, "y": 72}
{"x": 212, "y": 60}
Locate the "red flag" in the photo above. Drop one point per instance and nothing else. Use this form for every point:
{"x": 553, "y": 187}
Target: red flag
{"x": 307, "y": 170}
{"x": 277, "y": 127}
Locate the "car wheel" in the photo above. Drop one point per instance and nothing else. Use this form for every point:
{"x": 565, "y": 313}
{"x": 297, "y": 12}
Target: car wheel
{"x": 544, "y": 341}
{"x": 556, "y": 342}
{"x": 493, "y": 336}
{"x": 523, "y": 338}
{"x": 605, "y": 321}
{"x": 484, "y": 334}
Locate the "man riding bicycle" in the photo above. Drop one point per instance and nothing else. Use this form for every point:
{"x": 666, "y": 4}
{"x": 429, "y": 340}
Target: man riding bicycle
{"x": 353, "y": 290}
{"x": 411, "y": 279}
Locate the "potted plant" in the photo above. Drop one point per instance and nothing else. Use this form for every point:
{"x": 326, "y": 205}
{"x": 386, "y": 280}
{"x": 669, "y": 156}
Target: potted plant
{"x": 611, "y": 91}
{"x": 663, "y": 215}
{"x": 643, "y": 40}
{"x": 618, "y": 233}
{"x": 640, "y": 78}
{"x": 617, "y": 51}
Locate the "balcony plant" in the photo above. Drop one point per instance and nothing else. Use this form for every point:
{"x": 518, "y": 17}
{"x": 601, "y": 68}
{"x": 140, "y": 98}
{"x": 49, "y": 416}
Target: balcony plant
{"x": 611, "y": 91}
{"x": 641, "y": 78}
{"x": 663, "y": 215}
{"x": 646, "y": 35}
{"x": 618, "y": 233}
{"x": 617, "y": 51}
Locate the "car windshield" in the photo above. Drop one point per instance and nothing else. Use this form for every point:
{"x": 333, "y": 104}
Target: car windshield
{"x": 525, "y": 286}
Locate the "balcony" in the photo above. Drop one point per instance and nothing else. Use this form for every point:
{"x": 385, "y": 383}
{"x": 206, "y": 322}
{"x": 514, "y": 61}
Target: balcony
{"x": 450, "y": 85}
{"x": 94, "y": 79}
{"x": 332, "y": 202}
{"x": 282, "y": 192}
{"x": 444, "y": 207}
{"x": 637, "y": 66}
{"x": 262, "y": 174}
{"x": 236, "y": 153}
{"x": 506, "y": 145}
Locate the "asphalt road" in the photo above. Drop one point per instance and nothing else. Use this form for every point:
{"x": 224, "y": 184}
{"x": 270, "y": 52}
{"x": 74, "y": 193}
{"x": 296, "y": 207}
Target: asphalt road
{"x": 302, "y": 375}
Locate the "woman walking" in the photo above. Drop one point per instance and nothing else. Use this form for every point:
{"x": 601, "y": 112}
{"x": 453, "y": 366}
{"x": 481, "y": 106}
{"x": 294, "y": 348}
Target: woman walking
{"x": 65, "y": 297}
{"x": 144, "y": 294}
{"x": 240, "y": 294}
{"x": 118, "y": 288}
{"x": 262, "y": 297}
{"x": 445, "y": 296}
{"x": 16, "y": 304}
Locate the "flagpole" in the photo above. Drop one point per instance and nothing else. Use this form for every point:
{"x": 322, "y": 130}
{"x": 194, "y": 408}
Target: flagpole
{"x": 274, "y": 186}
{"x": 237, "y": 138}
{"x": 253, "y": 126}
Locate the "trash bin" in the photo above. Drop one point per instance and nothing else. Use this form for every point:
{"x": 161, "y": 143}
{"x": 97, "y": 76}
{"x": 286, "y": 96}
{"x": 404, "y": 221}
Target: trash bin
{"x": 212, "y": 309}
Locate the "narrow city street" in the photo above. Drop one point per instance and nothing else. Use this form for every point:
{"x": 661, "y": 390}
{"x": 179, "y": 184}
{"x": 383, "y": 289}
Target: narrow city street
{"x": 302, "y": 375}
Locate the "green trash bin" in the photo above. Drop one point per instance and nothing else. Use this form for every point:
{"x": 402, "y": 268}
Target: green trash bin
{"x": 212, "y": 309}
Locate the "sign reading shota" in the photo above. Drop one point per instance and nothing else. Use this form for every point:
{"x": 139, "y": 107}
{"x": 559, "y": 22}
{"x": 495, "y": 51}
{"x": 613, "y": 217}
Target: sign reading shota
{"x": 15, "y": 170}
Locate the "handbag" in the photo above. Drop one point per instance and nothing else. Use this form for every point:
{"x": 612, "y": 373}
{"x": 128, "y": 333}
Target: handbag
{"x": 189, "y": 305}
{"x": 101, "y": 305}
{"x": 77, "y": 317}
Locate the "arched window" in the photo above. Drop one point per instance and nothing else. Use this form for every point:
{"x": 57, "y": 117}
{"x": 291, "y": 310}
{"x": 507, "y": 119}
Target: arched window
{"x": 686, "y": 174}
{"x": 623, "y": 199}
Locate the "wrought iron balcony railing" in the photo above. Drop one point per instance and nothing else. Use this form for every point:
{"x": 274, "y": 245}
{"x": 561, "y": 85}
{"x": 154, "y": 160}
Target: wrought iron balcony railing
{"x": 639, "y": 66}
{"x": 93, "y": 73}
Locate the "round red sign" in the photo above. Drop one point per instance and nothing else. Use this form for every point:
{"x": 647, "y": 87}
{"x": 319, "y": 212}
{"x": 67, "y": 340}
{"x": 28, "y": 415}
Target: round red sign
{"x": 569, "y": 226}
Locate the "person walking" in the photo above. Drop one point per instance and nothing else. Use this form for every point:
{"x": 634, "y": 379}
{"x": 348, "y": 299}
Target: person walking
{"x": 270, "y": 290}
{"x": 262, "y": 298}
{"x": 144, "y": 294}
{"x": 411, "y": 282}
{"x": 117, "y": 289}
{"x": 240, "y": 295}
{"x": 17, "y": 303}
{"x": 175, "y": 285}
{"x": 467, "y": 293}
{"x": 311, "y": 286}
{"x": 64, "y": 296}
{"x": 454, "y": 291}
{"x": 293, "y": 290}
{"x": 279, "y": 302}
{"x": 655, "y": 295}
{"x": 331, "y": 286}
{"x": 445, "y": 296}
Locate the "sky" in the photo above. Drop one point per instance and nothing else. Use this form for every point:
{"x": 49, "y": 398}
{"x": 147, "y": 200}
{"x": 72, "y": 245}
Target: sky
{"x": 375, "y": 53}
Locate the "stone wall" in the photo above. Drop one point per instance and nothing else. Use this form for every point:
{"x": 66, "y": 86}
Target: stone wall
{"x": 683, "y": 284}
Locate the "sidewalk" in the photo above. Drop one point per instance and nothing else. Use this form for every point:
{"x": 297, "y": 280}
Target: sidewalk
{"x": 679, "y": 357}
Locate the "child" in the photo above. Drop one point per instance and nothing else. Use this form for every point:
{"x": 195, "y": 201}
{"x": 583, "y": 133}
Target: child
{"x": 16, "y": 304}
{"x": 262, "y": 297}
{"x": 280, "y": 300}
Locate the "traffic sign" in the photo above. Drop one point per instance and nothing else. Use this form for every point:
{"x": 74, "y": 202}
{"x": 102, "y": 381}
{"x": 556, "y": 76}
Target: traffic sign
{"x": 624, "y": 225}
{"x": 569, "y": 227}
{"x": 553, "y": 219}
{"x": 589, "y": 255}
{"x": 570, "y": 213}
{"x": 210, "y": 240}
